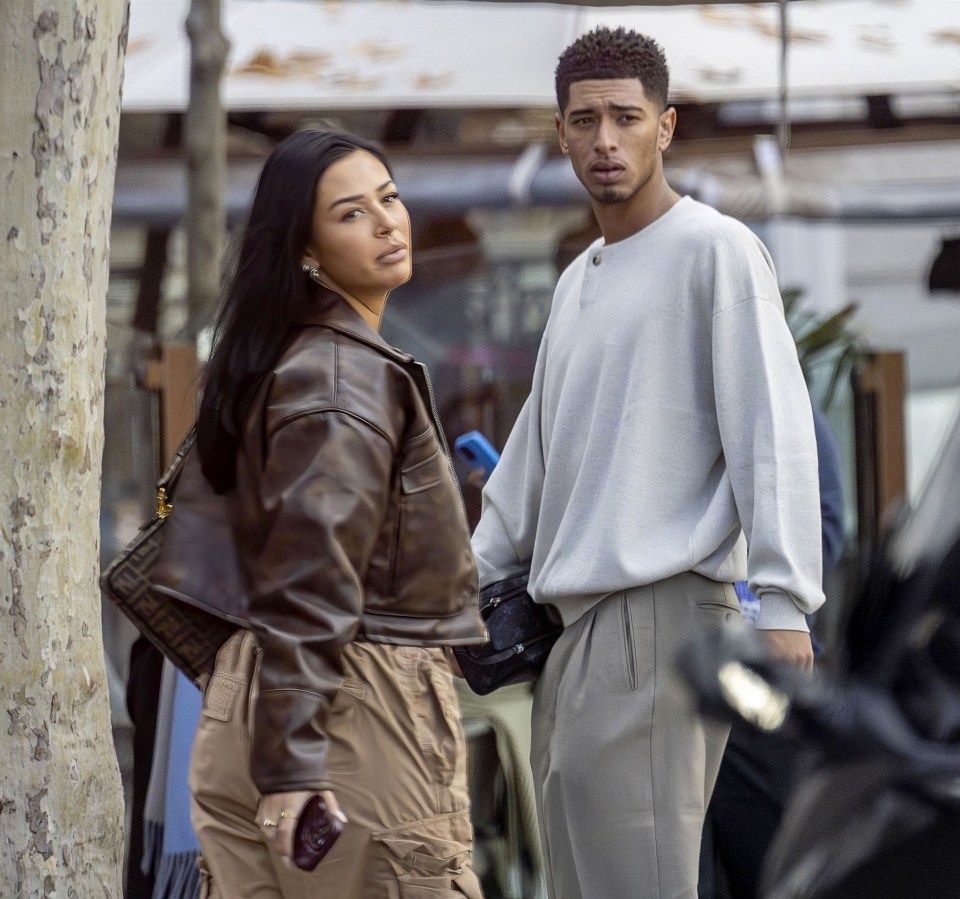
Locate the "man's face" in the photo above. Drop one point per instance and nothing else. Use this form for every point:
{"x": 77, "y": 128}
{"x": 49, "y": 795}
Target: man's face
{"x": 615, "y": 137}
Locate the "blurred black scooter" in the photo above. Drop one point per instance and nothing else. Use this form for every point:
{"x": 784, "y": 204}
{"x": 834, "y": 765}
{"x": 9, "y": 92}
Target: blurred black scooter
{"x": 878, "y": 813}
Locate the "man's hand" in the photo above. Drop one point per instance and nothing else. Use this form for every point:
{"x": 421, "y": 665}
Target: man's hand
{"x": 794, "y": 647}
{"x": 452, "y": 661}
{"x": 278, "y": 813}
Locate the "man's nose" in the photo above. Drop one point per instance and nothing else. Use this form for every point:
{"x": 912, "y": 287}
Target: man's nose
{"x": 606, "y": 138}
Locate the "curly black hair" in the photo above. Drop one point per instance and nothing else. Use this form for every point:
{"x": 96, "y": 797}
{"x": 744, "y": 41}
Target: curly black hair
{"x": 614, "y": 53}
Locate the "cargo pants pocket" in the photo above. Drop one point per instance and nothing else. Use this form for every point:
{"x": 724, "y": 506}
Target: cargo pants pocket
{"x": 432, "y": 859}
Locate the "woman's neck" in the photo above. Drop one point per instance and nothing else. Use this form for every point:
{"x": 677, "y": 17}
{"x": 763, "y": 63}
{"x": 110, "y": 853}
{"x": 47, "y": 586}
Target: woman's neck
{"x": 370, "y": 310}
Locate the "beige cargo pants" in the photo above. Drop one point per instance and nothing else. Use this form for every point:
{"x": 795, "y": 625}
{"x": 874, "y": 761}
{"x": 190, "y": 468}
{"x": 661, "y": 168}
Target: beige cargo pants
{"x": 397, "y": 758}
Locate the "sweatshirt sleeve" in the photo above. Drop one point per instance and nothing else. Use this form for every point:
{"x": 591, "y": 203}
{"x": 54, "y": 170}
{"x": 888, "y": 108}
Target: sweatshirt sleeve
{"x": 766, "y": 430}
{"x": 323, "y": 512}
{"x": 504, "y": 537}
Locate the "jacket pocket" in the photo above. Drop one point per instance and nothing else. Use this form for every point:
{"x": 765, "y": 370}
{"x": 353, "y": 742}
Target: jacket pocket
{"x": 433, "y": 573}
{"x": 422, "y": 475}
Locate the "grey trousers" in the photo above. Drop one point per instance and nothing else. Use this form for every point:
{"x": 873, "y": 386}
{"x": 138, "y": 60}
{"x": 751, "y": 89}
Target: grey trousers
{"x": 623, "y": 766}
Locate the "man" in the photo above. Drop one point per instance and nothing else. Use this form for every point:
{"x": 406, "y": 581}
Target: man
{"x": 668, "y": 428}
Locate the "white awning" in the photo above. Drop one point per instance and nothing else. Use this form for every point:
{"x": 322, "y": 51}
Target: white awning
{"x": 356, "y": 54}
{"x": 301, "y": 54}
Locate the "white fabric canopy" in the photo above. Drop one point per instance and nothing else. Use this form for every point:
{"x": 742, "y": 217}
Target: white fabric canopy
{"x": 307, "y": 54}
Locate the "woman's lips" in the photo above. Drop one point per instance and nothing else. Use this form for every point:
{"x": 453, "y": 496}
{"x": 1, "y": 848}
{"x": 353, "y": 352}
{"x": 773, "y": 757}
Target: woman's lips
{"x": 397, "y": 254}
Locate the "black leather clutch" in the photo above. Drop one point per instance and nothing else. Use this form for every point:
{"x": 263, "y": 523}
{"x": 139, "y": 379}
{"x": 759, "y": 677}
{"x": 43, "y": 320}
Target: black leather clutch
{"x": 522, "y": 633}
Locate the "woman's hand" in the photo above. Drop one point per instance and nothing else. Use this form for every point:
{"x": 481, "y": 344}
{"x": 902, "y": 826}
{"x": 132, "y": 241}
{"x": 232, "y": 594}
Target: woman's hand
{"x": 278, "y": 813}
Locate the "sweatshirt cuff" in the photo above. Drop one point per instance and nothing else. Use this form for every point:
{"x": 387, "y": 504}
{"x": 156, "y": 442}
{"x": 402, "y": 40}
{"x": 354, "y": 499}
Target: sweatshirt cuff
{"x": 779, "y": 613}
{"x": 490, "y": 576}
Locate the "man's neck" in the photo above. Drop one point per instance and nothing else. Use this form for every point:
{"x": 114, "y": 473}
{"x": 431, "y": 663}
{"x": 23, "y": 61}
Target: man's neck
{"x": 618, "y": 221}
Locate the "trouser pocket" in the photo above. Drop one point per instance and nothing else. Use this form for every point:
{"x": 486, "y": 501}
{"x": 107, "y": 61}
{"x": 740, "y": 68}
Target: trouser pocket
{"x": 432, "y": 859}
{"x": 639, "y": 643}
{"x": 440, "y": 730}
{"x": 719, "y": 605}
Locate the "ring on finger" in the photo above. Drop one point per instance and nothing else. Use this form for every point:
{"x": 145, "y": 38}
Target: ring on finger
{"x": 268, "y": 822}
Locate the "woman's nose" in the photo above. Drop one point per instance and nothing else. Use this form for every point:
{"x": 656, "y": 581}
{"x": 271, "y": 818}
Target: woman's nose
{"x": 385, "y": 224}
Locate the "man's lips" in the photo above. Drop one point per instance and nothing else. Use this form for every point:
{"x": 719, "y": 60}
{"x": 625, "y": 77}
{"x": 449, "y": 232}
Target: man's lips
{"x": 394, "y": 254}
{"x": 606, "y": 172}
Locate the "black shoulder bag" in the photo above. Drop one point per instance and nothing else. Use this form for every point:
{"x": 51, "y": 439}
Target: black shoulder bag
{"x": 522, "y": 633}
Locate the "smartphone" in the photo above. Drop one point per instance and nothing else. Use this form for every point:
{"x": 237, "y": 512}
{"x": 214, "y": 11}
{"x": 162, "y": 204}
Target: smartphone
{"x": 317, "y": 831}
{"x": 477, "y": 452}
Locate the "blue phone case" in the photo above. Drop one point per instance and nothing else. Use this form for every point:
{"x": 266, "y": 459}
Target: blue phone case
{"x": 477, "y": 451}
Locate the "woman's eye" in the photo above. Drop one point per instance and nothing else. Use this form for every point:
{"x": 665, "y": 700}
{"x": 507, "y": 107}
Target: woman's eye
{"x": 351, "y": 215}
{"x": 391, "y": 198}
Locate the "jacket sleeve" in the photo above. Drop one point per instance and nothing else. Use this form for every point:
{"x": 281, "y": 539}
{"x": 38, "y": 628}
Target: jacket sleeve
{"x": 323, "y": 494}
{"x": 504, "y": 537}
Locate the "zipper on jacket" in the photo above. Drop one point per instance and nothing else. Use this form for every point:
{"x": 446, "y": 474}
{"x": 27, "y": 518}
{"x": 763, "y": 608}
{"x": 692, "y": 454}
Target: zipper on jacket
{"x": 453, "y": 476}
{"x": 434, "y": 415}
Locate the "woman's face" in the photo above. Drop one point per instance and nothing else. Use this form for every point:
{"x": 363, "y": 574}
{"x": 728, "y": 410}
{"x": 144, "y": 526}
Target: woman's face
{"x": 361, "y": 230}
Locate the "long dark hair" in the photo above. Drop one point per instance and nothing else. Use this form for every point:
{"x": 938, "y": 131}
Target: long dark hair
{"x": 265, "y": 283}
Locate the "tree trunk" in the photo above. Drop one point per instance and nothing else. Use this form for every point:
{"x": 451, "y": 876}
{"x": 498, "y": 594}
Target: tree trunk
{"x": 206, "y": 144}
{"x": 61, "y": 807}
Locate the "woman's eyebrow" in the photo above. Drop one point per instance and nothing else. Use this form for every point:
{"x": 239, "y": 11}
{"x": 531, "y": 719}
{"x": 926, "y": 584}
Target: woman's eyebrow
{"x": 357, "y": 197}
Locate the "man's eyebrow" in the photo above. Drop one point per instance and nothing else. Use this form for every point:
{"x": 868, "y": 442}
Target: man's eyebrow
{"x": 357, "y": 197}
{"x": 616, "y": 107}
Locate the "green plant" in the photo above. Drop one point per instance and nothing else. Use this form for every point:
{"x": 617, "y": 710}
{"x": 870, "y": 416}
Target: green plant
{"x": 824, "y": 341}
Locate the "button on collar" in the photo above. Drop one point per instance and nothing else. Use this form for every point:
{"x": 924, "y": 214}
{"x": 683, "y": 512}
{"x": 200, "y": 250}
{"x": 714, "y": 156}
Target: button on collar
{"x": 597, "y": 259}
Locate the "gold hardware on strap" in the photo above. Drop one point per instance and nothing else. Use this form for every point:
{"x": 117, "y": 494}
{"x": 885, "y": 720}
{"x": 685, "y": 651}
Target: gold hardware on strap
{"x": 163, "y": 507}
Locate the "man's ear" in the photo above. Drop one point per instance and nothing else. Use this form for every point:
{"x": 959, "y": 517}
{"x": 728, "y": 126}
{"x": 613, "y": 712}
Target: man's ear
{"x": 561, "y": 134}
{"x": 665, "y": 127}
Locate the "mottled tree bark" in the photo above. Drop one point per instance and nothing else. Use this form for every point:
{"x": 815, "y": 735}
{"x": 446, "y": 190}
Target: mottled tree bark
{"x": 206, "y": 145}
{"x": 61, "y": 807}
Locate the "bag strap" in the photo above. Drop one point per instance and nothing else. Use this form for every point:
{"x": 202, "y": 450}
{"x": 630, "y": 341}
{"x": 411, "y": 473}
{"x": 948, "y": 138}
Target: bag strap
{"x": 168, "y": 480}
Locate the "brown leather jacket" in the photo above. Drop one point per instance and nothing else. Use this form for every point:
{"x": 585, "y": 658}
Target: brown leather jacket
{"x": 349, "y": 525}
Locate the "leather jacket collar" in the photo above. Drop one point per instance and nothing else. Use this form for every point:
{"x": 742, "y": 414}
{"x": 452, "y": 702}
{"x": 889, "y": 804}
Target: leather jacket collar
{"x": 329, "y": 310}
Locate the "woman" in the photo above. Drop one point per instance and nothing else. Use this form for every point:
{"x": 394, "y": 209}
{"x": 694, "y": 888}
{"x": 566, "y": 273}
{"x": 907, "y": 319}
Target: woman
{"x": 355, "y": 552}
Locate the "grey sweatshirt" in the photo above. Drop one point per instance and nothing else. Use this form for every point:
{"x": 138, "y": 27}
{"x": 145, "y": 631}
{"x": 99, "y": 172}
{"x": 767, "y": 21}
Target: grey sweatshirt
{"x": 668, "y": 429}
